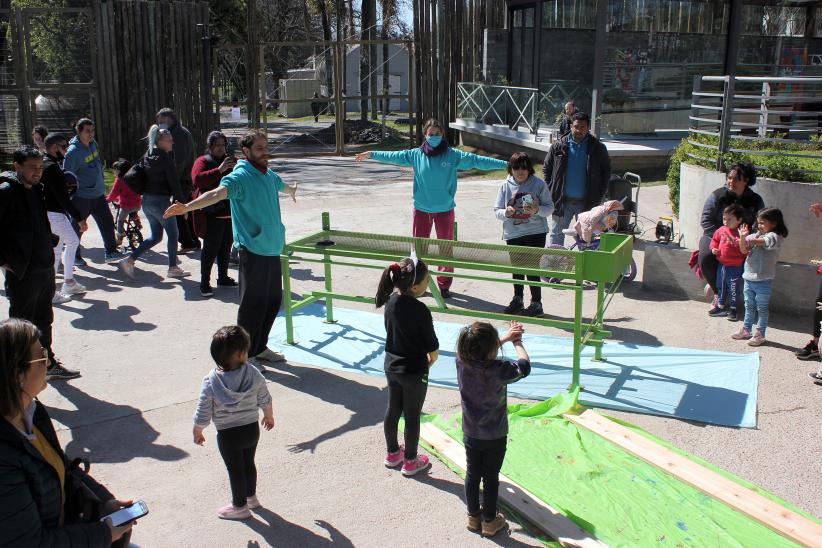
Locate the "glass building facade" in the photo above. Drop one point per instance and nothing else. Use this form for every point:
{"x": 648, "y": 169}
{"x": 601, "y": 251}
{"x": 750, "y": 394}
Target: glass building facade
{"x": 643, "y": 55}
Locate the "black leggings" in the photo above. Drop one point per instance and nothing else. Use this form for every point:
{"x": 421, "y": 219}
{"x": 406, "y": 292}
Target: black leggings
{"x": 216, "y": 245}
{"x": 708, "y": 263}
{"x": 484, "y": 463}
{"x": 519, "y": 259}
{"x": 406, "y": 394}
{"x": 817, "y": 314}
{"x": 237, "y": 446}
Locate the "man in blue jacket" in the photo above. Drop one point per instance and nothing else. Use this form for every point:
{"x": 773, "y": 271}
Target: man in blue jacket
{"x": 83, "y": 159}
{"x": 576, "y": 169}
{"x": 253, "y": 191}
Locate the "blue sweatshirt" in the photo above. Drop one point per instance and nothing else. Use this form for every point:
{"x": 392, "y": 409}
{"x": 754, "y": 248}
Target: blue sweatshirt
{"x": 435, "y": 177}
{"x": 255, "y": 209}
{"x": 84, "y": 162}
{"x": 232, "y": 398}
{"x": 512, "y": 194}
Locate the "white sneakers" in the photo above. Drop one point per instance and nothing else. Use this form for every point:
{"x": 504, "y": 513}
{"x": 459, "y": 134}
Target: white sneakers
{"x": 66, "y": 291}
{"x": 177, "y": 272}
{"x": 270, "y": 356}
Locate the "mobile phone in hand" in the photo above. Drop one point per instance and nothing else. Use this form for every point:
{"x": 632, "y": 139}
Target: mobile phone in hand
{"x": 128, "y": 514}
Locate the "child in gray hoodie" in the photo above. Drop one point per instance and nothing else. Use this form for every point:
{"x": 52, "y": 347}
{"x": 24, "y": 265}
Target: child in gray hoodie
{"x": 230, "y": 396}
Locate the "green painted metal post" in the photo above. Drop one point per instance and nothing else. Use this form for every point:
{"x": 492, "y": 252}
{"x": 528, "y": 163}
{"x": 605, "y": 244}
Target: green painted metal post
{"x": 289, "y": 322}
{"x": 577, "y": 336}
{"x": 599, "y": 318}
{"x": 329, "y": 302}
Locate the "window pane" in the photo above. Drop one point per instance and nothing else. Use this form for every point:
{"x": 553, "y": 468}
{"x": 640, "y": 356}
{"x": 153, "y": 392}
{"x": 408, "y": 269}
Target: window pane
{"x": 569, "y": 14}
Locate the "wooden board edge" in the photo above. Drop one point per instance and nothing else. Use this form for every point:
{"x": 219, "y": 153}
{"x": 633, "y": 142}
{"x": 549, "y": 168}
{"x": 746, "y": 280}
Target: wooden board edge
{"x": 535, "y": 510}
{"x": 770, "y": 514}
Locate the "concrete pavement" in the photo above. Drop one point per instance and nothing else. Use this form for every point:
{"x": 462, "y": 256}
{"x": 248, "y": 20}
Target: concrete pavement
{"x": 143, "y": 349}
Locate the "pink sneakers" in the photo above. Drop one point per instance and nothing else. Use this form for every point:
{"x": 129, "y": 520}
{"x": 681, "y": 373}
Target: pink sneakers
{"x": 741, "y": 334}
{"x": 229, "y": 511}
{"x": 252, "y": 502}
{"x": 756, "y": 340}
{"x": 411, "y": 467}
{"x": 395, "y": 458}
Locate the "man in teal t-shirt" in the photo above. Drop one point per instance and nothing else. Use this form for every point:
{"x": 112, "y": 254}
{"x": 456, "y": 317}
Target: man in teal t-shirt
{"x": 435, "y": 184}
{"x": 253, "y": 190}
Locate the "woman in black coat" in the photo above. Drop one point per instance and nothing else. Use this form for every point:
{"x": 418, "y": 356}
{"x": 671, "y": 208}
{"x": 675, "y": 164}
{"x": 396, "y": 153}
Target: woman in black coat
{"x": 33, "y": 467}
{"x": 162, "y": 188}
{"x": 737, "y": 190}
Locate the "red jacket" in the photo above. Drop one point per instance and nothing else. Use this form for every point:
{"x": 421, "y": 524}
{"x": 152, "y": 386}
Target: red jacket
{"x": 727, "y": 242}
{"x": 205, "y": 174}
{"x": 122, "y": 194}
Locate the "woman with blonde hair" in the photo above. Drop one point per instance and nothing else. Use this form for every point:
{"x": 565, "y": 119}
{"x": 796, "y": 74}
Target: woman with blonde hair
{"x": 162, "y": 187}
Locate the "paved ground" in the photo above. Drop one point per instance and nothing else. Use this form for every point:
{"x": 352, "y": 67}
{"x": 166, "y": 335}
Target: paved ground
{"x": 143, "y": 350}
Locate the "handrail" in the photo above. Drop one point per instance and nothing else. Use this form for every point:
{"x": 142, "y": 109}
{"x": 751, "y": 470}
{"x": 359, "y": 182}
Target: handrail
{"x": 508, "y": 105}
{"x": 766, "y": 79}
{"x": 756, "y": 108}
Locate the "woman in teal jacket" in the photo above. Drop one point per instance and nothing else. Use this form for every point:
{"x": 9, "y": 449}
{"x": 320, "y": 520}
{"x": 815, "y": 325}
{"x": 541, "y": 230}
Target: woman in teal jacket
{"x": 435, "y": 184}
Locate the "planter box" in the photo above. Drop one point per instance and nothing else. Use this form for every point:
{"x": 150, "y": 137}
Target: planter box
{"x": 696, "y": 184}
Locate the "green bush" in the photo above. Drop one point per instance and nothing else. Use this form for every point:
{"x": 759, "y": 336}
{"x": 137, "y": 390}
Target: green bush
{"x": 784, "y": 168}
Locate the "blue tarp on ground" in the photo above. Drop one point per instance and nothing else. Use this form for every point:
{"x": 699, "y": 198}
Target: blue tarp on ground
{"x": 699, "y": 385}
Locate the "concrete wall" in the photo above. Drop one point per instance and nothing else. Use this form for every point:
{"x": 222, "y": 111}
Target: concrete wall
{"x": 397, "y": 66}
{"x": 297, "y": 89}
{"x": 666, "y": 270}
{"x": 794, "y": 199}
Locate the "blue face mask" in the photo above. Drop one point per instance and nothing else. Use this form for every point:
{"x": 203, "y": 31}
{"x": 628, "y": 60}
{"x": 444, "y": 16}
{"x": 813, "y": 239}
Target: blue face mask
{"x": 434, "y": 140}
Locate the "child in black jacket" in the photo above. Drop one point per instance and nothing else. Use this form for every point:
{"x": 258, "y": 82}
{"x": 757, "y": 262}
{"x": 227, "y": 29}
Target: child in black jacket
{"x": 482, "y": 380}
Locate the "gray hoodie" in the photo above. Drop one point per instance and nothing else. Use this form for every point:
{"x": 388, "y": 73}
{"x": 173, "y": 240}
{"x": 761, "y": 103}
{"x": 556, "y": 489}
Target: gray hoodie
{"x": 513, "y": 194}
{"x": 231, "y": 398}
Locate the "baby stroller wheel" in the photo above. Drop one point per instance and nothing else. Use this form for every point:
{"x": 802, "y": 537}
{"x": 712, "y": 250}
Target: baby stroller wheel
{"x": 630, "y": 272}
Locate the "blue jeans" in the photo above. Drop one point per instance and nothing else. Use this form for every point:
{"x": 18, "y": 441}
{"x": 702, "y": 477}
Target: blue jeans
{"x": 99, "y": 210}
{"x": 757, "y": 296}
{"x": 570, "y": 210}
{"x": 727, "y": 281}
{"x": 154, "y": 205}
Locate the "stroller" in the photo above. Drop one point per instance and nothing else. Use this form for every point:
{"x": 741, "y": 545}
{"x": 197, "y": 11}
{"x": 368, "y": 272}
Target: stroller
{"x": 622, "y": 190}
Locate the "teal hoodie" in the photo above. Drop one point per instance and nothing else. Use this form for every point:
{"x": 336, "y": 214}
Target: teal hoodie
{"x": 84, "y": 162}
{"x": 255, "y": 209}
{"x": 435, "y": 177}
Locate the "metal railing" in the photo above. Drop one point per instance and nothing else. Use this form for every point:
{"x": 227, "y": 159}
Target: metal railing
{"x": 498, "y": 105}
{"x": 742, "y": 114}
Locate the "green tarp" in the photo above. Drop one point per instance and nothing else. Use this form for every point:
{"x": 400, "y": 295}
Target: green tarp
{"x": 619, "y": 498}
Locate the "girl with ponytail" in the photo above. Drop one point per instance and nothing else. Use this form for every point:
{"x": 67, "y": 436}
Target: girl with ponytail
{"x": 411, "y": 347}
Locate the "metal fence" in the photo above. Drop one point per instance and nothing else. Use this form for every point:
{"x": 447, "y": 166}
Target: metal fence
{"x": 746, "y": 114}
{"x": 513, "y": 107}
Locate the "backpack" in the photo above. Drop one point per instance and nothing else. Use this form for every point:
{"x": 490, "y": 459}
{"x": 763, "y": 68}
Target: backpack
{"x": 136, "y": 177}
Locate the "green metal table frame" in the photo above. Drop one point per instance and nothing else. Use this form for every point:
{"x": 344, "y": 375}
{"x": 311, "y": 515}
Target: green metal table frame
{"x": 604, "y": 267}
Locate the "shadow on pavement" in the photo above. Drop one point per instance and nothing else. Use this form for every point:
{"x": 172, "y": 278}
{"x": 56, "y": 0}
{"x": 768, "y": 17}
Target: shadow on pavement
{"x": 107, "y": 432}
{"x": 502, "y": 538}
{"x": 279, "y": 532}
{"x": 100, "y": 317}
{"x": 366, "y": 403}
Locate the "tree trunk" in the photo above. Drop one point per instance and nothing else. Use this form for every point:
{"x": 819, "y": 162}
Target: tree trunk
{"x": 372, "y": 57}
{"x": 365, "y": 54}
{"x": 329, "y": 67}
{"x": 386, "y": 72}
{"x": 417, "y": 66}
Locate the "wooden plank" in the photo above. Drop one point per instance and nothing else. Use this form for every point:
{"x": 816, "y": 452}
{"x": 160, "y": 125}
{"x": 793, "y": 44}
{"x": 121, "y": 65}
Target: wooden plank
{"x": 777, "y": 517}
{"x": 536, "y": 511}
